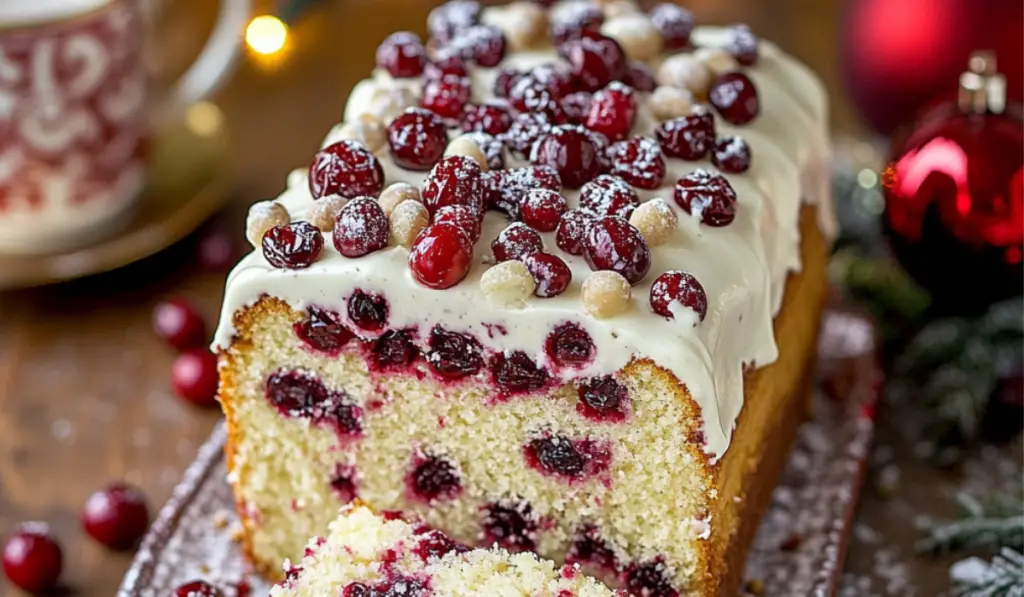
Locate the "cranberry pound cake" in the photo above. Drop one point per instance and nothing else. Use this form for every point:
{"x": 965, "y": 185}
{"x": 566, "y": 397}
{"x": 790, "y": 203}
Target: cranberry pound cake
{"x": 366, "y": 555}
{"x": 552, "y": 285}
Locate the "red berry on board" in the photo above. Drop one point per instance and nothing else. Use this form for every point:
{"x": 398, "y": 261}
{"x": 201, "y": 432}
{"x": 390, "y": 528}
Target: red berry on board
{"x": 345, "y": 168}
{"x": 293, "y": 246}
{"x": 735, "y": 97}
{"x": 441, "y": 256}
{"x": 116, "y": 517}
{"x": 361, "y": 228}
{"x": 32, "y": 558}
{"x": 402, "y": 54}
{"x": 417, "y": 139}
{"x": 194, "y": 377}
{"x": 178, "y": 323}
{"x": 708, "y": 197}
{"x": 676, "y": 287}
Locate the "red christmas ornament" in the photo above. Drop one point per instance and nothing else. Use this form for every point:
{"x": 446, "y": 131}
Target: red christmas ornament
{"x": 954, "y": 195}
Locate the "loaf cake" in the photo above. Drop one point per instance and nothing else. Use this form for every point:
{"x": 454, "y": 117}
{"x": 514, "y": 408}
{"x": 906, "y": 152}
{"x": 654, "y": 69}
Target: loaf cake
{"x": 366, "y": 555}
{"x": 552, "y": 285}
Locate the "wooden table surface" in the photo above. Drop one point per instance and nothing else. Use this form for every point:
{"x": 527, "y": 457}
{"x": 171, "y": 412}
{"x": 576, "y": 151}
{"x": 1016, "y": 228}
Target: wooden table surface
{"x": 84, "y": 384}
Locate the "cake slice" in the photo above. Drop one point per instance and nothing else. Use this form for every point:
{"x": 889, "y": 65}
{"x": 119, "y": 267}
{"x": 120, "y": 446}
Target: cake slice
{"x": 366, "y": 555}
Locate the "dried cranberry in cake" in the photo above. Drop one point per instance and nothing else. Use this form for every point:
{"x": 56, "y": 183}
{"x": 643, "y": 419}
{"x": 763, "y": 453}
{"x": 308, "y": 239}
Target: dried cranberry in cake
{"x": 453, "y": 355}
{"x": 197, "y": 588}
{"x": 608, "y": 195}
{"x": 295, "y": 393}
{"x": 589, "y": 547}
{"x": 356, "y": 589}
{"x": 362, "y": 228}
{"x": 741, "y": 43}
{"x": 293, "y": 246}
{"x": 116, "y": 517}
{"x": 464, "y": 217}
{"x": 510, "y": 525}
{"x": 322, "y": 330}
{"x": 455, "y": 180}
{"x": 574, "y": 19}
{"x": 491, "y": 118}
{"x": 433, "y": 545}
{"x": 515, "y": 242}
{"x": 448, "y": 19}
{"x": 649, "y": 579}
{"x": 345, "y": 168}
{"x": 345, "y": 417}
{"x": 492, "y": 146}
{"x": 639, "y": 76}
{"x": 433, "y": 479}
{"x": 542, "y": 209}
{"x": 595, "y": 60}
{"x": 344, "y": 483}
{"x": 676, "y": 287}
{"x": 731, "y": 154}
{"x": 569, "y": 345}
{"x": 675, "y": 24}
{"x": 638, "y": 161}
{"x": 368, "y": 311}
{"x": 574, "y": 459}
{"x": 441, "y": 255}
{"x": 516, "y": 373}
{"x": 417, "y": 139}
{"x": 401, "y": 586}
{"x": 483, "y": 44}
{"x": 708, "y": 197}
{"x": 602, "y": 399}
{"x": 402, "y": 54}
{"x": 445, "y": 63}
{"x": 689, "y": 137}
{"x": 612, "y": 111}
{"x": 575, "y": 106}
{"x": 446, "y": 96}
{"x": 613, "y": 244}
{"x": 735, "y": 97}
{"x": 572, "y": 231}
{"x": 525, "y": 131}
{"x": 394, "y": 349}
{"x": 572, "y": 152}
{"x": 505, "y": 80}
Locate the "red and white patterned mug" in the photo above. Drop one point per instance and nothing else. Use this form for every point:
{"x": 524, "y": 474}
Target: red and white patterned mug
{"x": 76, "y": 109}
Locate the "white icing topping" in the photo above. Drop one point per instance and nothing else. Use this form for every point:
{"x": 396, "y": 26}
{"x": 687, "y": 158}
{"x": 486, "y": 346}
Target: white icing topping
{"x": 742, "y": 266}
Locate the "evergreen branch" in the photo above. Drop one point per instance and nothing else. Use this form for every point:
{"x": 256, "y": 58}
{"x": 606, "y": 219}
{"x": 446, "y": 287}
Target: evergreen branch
{"x": 999, "y": 524}
{"x": 1002, "y": 577}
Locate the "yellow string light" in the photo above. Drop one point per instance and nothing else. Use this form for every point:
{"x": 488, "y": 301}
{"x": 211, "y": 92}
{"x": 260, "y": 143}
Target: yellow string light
{"x": 266, "y": 35}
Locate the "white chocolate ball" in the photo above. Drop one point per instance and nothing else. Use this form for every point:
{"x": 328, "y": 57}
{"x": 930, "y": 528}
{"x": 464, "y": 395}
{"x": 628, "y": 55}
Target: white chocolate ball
{"x": 605, "y": 294}
{"x": 508, "y": 284}
{"x": 406, "y": 221}
{"x": 655, "y": 220}
{"x": 263, "y": 216}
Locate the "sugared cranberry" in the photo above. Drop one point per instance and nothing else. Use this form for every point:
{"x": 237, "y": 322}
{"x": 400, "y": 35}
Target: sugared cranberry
{"x": 445, "y": 21}
{"x": 602, "y": 399}
{"x": 572, "y": 231}
{"x": 595, "y": 60}
{"x": 117, "y": 517}
{"x": 393, "y": 350}
{"x": 608, "y": 195}
{"x": 402, "y": 54}
{"x": 454, "y": 355}
{"x": 516, "y": 373}
{"x": 368, "y": 311}
{"x": 505, "y": 80}
{"x": 612, "y": 111}
{"x": 567, "y": 458}
{"x": 638, "y": 161}
{"x": 649, "y": 579}
{"x": 542, "y": 209}
{"x": 362, "y": 228}
{"x": 401, "y": 586}
{"x": 735, "y": 97}
{"x": 572, "y": 152}
{"x": 742, "y": 44}
{"x": 505, "y": 189}
{"x": 515, "y": 242}
{"x": 300, "y": 394}
{"x": 574, "y": 19}
{"x": 455, "y": 180}
{"x": 689, "y": 137}
{"x": 197, "y": 588}
{"x": 708, "y": 197}
{"x": 345, "y": 168}
{"x": 575, "y": 106}
{"x": 525, "y": 131}
{"x": 550, "y": 272}
{"x": 322, "y": 330}
{"x": 445, "y": 63}
{"x": 417, "y": 139}
{"x": 493, "y": 148}
{"x": 531, "y": 95}
{"x": 510, "y": 526}
{"x": 194, "y": 377}
{"x": 357, "y": 589}
{"x": 639, "y": 76}
{"x": 676, "y": 287}
{"x": 32, "y": 558}
{"x": 731, "y": 154}
{"x": 589, "y": 547}
{"x": 344, "y": 483}
{"x": 675, "y": 24}
{"x": 434, "y": 479}
{"x": 492, "y": 119}
{"x": 293, "y": 246}
{"x": 613, "y": 244}
{"x": 178, "y": 323}
{"x": 483, "y": 44}
{"x": 446, "y": 96}
{"x": 440, "y": 256}
{"x": 464, "y": 217}
{"x": 569, "y": 345}
{"x": 433, "y": 545}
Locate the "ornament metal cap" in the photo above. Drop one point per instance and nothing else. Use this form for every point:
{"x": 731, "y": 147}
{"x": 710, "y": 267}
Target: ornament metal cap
{"x": 982, "y": 88}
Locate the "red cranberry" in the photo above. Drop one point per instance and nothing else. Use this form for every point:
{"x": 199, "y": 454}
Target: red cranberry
{"x": 357, "y": 589}
{"x": 649, "y": 579}
{"x": 454, "y": 355}
{"x": 446, "y": 96}
{"x": 735, "y": 97}
{"x": 440, "y": 256}
{"x": 506, "y": 189}
{"x": 731, "y": 154}
{"x": 709, "y": 197}
{"x": 675, "y": 24}
{"x": 638, "y": 161}
{"x": 515, "y": 242}
{"x": 567, "y": 458}
{"x": 574, "y": 19}
{"x": 572, "y": 152}
{"x": 32, "y": 558}
{"x": 639, "y": 76}
{"x": 575, "y": 106}
{"x": 572, "y": 231}
{"x": 464, "y": 217}
{"x": 589, "y": 547}
{"x": 177, "y": 322}
{"x": 550, "y": 273}
{"x": 602, "y": 399}
{"x": 493, "y": 148}
{"x": 322, "y": 330}
{"x": 613, "y": 244}
{"x": 455, "y": 180}
{"x": 293, "y": 246}
{"x": 445, "y": 21}
{"x": 595, "y": 60}
{"x": 345, "y": 168}
{"x": 434, "y": 479}
{"x": 417, "y": 139}
{"x": 542, "y": 209}
{"x": 395, "y": 349}
{"x": 197, "y": 588}
{"x": 742, "y": 44}
{"x": 344, "y": 484}
{"x": 368, "y": 311}
{"x": 516, "y": 373}
{"x": 510, "y": 525}
{"x": 492, "y": 119}
{"x": 296, "y": 393}
{"x": 400, "y": 586}
{"x": 445, "y": 63}
{"x": 525, "y": 131}
{"x": 217, "y": 251}
{"x": 483, "y": 44}
{"x": 533, "y": 96}
{"x": 608, "y": 195}
{"x": 569, "y": 345}
{"x": 689, "y": 137}
{"x": 361, "y": 229}
{"x": 433, "y": 545}
{"x": 194, "y": 377}
{"x": 117, "y": 517}
{"x": 612, "y": 111}
{"x": 505, "y": 80}
{"x": 402, "y": 54}
{"x": 676, "y": 287}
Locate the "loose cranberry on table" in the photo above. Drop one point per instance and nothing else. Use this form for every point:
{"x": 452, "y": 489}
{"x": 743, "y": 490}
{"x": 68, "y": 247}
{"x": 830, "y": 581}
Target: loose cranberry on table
{"x": 417, "y": 139}
{"x": 608, "y": 195}
{"x": 345, "y": 168}
{"x": 402, "y": 54}
{"x": 32, "y": 558}
{"x": 464, "y": 217}
{"x": 197, "y": 588}
{"x": 675, "y": 24}
{"x": 542, "y": 209}
{"x": 455, "y": 180}
{"x": 612, "y": 111}
{"x": 293, "y": 246}
{"x": 216, "y": 251}
{"x": 550, "y": 272}
{"x": 194, "y": 377}
{"x": 708, "y": 197}
{"x": 441, "y": 256}
{"x": 515, "y": 242}
{"x": 638, "y": 161}
{"x": 178, "y": 323}
{"x": 731, "y": 154}
{"x": 446, "y": 96}
{"x": 595, "y": 60}
{"x": 361, "y": 228}
{"x": 735, "y": 97}
{"x": 613, "y": 244}
{"x": 689, "y": 137}
{"x": 116, "y": 517}
{"x": 572, "y": 152}
{"x": 491, "y": 118}
{"x": 572, "y": 231}
{"x": 676, "y": 287}
{"x": 741, "y": 43}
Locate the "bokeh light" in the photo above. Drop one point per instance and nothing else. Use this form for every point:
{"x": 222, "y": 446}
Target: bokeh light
{"x": 266, "y": 35}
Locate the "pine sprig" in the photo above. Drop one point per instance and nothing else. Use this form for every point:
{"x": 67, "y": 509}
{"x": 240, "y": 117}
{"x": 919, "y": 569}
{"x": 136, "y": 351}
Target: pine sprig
{"x": 1002, "y": 577}
{"x": 997, "y": 525}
